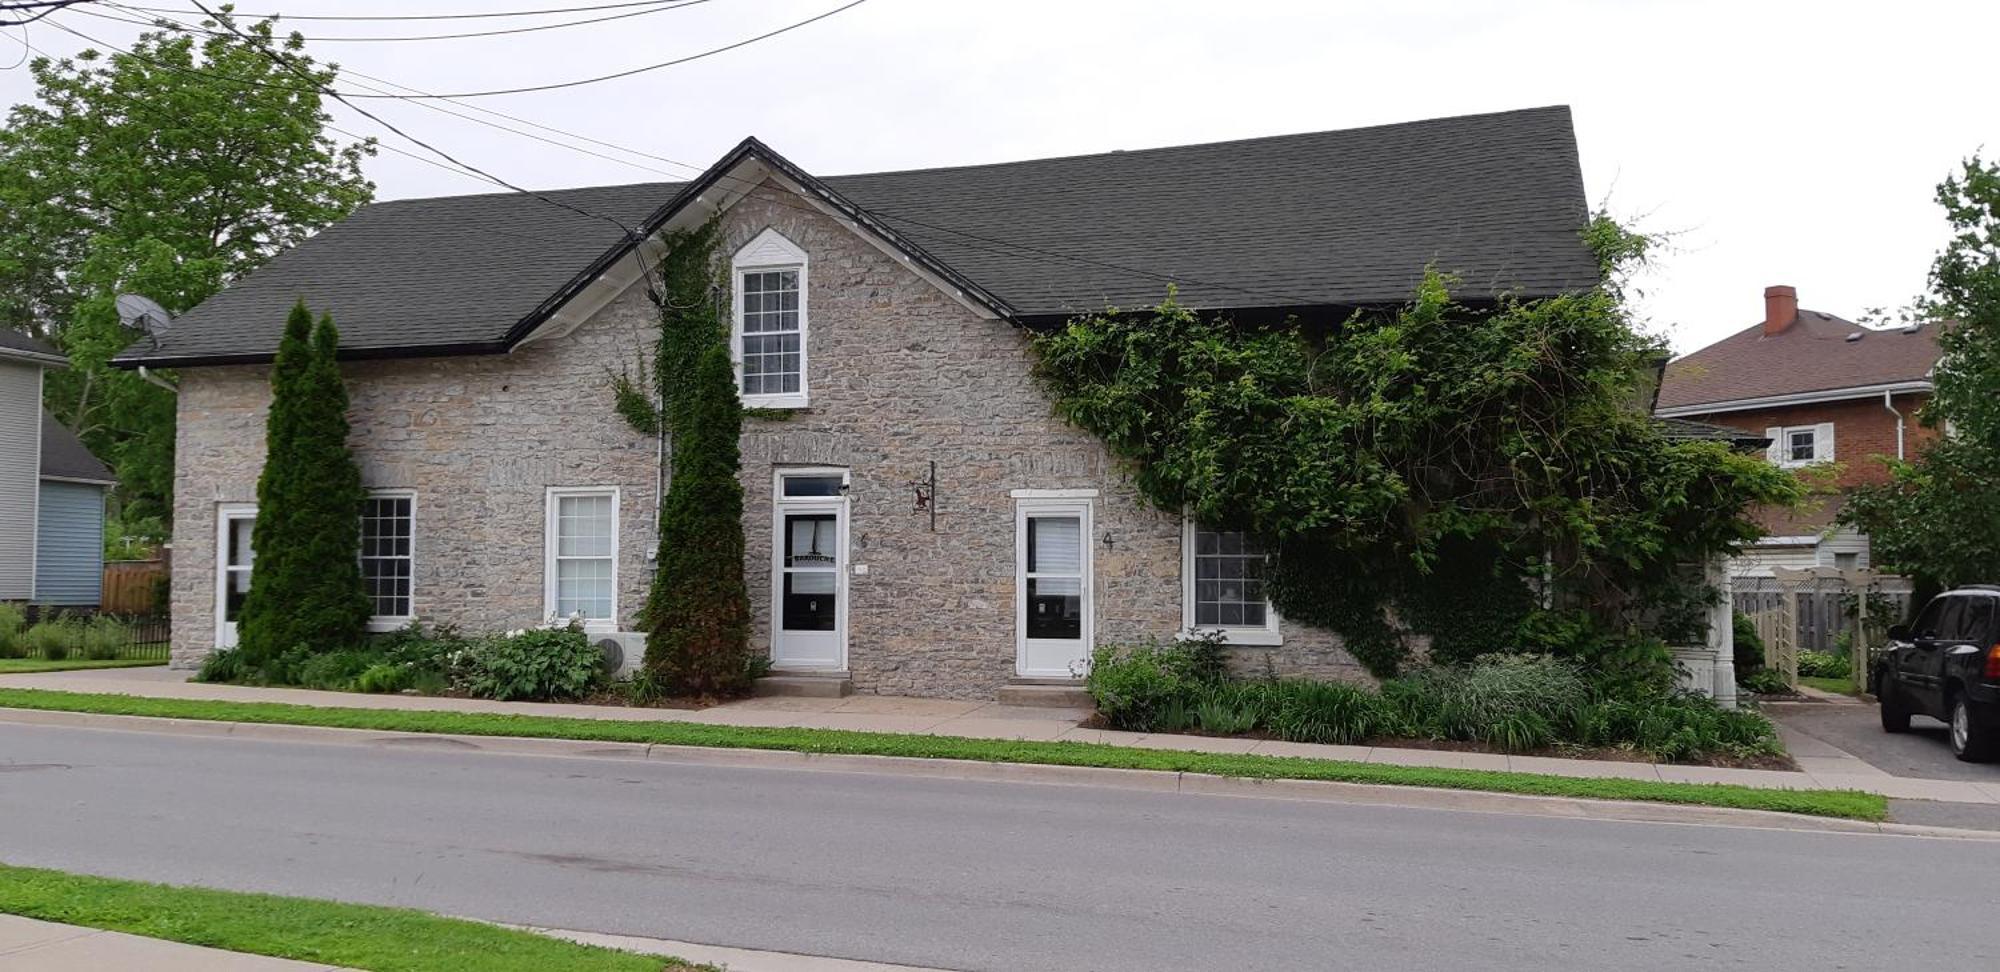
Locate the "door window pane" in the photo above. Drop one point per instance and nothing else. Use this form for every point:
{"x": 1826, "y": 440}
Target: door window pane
{"x": 812, "y": 540}
{"x": 811, "y": 571}
{"x": 812, "y": 485}
{"x": 386, "y": 558}
{"x": 586, "y": 551}
{"x": 1055, "y": 578}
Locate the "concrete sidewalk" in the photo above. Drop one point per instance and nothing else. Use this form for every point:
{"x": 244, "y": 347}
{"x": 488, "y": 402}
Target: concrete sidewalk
{"x": 1822, "y": 766}
{"x": 45, "y": 946}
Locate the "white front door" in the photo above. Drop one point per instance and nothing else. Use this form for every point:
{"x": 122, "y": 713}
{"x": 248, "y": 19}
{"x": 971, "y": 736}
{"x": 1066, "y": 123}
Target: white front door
{"x": 1052, "y": 584}
{"x": 808, "y": 575}
{"x": 233, "y": 558}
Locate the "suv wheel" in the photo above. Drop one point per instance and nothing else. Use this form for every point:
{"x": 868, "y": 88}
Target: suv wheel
{"x": 1973, "y": 738}
{"x": 1895, "y": 712}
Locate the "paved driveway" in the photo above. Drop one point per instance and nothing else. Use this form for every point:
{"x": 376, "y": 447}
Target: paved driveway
{"x": 1921, "y": 753}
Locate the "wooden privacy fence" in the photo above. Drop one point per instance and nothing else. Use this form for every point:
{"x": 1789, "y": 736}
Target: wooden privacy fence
{"x": 133, "y": 587}
{"x": 1809, "y": 610}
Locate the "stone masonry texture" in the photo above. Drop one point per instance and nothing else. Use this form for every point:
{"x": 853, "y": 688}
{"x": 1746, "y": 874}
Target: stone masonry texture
{"x": 900, "y": 375}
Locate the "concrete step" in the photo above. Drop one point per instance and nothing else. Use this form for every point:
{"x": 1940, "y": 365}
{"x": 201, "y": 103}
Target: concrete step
{"x": 831, "y": 685}
{"x": 1046, "y": 693}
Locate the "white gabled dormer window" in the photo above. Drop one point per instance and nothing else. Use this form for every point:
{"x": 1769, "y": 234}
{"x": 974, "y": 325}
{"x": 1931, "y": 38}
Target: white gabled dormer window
{"x": 768, "y": 337}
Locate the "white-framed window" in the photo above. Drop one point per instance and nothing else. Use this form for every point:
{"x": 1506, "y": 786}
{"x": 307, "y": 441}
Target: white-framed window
{"x": 1222, "y": 586}
{"x": 768, "y": 334}
{"x": 1053, "y": 582}
{"x": 1800, "y": 445}
{"x": 582, "y": 555}
{"x": 388, "y": 556}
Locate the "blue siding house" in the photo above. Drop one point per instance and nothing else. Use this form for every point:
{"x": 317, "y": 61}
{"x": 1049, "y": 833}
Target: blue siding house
{"x": 51, "y": 490}
{"x": 69, "y": 526}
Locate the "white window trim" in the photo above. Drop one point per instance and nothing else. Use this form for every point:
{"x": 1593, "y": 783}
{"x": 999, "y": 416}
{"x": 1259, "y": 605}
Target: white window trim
{"x": 388, "y": 622}
{"x": 1781, "y": 444}
{"x": 224, "y": 512}
{"x": 1269, "y": 634}
{"x": 768, "y": 251}
{"x": 549, "y": 508}
{"x": 1026, "y": 506}
{"x": 780, "y": 504}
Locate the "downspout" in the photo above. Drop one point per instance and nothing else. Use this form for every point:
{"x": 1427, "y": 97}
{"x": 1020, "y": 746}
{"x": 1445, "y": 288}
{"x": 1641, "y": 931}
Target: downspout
{"x": 157, "y": 380}
{"x": 1889, "y": 404}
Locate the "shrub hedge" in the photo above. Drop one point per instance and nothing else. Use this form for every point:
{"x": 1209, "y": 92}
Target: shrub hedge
{"x": 1513, "y": 703}
{"x": 539, "y": 664}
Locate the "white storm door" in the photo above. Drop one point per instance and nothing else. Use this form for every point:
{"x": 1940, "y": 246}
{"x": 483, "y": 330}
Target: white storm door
{"x": 233, "y": 559}
{"x": 1052, "y": 584}
{"x": 809, "y": 564}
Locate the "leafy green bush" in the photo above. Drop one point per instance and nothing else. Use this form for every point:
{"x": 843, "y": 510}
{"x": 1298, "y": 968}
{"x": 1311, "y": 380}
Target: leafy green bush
{"x": 1301, "y": 710}
{"x": 1231, "y": 709}
{"x": 1678, "y": 727}
{"x": 52, "y": 640}
{"x": 104, "y": 637}
{"x": 1152, "y": 686}
{"x": 1765, "y": 681}
{"x": 1825, "y": 664}
{"x": 1749, "y": 656}
{"x": 384, "y": 677}
{"x": 1529, "y": 694}
{"x": 225, "y": 665}
{"x": 541, "y": 664}
{"x": 12, "y": 620}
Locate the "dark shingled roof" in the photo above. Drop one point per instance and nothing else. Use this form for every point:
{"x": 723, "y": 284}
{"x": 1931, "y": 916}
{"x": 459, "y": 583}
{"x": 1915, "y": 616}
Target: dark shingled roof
{"x": 1689, "y": 430}
{"x": 12, "y": 340}
{"x": 1338, "y": 218}
{"x": 64, "y": 456}
{"x": 1812, "y": 355}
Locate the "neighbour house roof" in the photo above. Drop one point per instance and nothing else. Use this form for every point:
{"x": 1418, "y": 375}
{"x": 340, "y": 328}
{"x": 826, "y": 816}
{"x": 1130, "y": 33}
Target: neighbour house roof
{"x": 1813, "y": 355}
{"x": 64, "y": 456}
{"x": 1329, "y": 219}
{"x": 14, "y": 344}
{"x": 1685, "y": 430}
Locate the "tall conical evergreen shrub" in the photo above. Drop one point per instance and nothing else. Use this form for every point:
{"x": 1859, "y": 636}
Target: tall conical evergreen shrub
{"x": 261, "y": 624}
{"x": 697, "y": 615}
{"x": 305, "y": 587}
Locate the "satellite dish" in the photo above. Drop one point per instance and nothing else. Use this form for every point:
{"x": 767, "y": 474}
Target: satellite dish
{"x": 145, "y": 314}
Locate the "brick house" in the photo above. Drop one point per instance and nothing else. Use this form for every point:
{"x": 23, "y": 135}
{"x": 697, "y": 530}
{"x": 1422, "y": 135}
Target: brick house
{"x": 1824, "y": 391}
{"x": 881, "y": 324}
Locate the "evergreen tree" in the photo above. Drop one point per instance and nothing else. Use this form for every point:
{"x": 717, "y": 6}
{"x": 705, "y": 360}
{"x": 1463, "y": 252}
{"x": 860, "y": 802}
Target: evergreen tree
{"x": 698, "y": 612}
{"x": 262, "y": 623}
{"x": 305, "y": 591}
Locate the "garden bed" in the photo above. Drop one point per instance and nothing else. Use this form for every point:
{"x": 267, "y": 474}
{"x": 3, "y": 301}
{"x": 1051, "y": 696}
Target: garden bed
{"x": 1517, "y": 704}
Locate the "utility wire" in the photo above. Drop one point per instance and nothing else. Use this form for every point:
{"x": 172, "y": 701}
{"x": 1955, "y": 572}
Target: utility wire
{"x": 554, "y": 86}
{"x": 350, "y": 38}
{"x": 42, "y": 10}
{"x": 288, "y": 65}
{"x": 966, "y": 239}
{"x": 458, "y": 16}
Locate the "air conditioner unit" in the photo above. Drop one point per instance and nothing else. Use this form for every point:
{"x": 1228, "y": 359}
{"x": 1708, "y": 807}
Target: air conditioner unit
{"x": 624, "y": 652}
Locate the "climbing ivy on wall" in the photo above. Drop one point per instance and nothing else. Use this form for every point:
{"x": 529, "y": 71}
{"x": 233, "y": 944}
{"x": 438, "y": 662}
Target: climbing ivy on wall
{"x": 697, "y": 616}
{"x": 1485, "y": 477}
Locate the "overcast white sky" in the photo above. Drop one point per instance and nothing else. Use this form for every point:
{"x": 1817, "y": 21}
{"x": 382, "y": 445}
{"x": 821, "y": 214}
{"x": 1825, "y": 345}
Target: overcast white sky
{"x": 1781, "y": 142}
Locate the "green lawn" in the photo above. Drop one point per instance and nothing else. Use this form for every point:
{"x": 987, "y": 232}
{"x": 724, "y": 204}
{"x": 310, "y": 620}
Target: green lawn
{"x": 18, "y": 666}
{"x": 1826, "y": 803}
{"x": 1838, "y": 686}
{"x": 355, "y": 936}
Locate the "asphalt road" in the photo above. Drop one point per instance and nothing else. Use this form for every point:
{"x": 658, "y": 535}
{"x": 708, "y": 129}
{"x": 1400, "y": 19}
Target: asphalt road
{"x": 1924, "y": 752}
{"x": 974, "y": 875}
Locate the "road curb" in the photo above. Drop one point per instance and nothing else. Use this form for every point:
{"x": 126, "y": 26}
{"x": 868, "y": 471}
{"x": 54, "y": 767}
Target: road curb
{"x": 1193, "y": 784}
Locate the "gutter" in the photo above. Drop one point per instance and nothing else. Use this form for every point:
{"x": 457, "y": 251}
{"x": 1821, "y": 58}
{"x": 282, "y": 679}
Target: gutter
{"x": 1888, "y": 402}
{"x": 1918, "y": 386}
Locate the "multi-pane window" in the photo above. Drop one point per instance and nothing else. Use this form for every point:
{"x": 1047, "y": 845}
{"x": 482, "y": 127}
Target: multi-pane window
{"x": 1228, "y": 580}
{"x": 1800, "y": 445}
{"x": 387, "y": 561}
{"x": 772, "y": 336}
{"x": 583, "y": 556}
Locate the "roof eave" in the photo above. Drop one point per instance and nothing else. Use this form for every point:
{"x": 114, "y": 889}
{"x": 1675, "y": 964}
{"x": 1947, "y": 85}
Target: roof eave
{"x": 378, "y": 353}
{"x": 1845, "y": 393}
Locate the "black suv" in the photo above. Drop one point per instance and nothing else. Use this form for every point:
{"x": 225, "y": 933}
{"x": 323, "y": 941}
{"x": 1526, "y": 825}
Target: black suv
{"x": 1946, "y": 664}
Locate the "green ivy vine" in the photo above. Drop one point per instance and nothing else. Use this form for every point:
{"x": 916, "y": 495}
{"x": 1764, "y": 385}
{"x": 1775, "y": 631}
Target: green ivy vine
{"x": 1485, "y": 477}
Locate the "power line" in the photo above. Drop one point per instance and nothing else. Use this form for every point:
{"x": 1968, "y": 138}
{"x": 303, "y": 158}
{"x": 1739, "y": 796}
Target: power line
{"x": 546, "y": 87}
{"x": 966, "y": 239}
{"x": 349, "y": 38}
{"x": 43, "y": 9}
{"x": 458, "y": 16}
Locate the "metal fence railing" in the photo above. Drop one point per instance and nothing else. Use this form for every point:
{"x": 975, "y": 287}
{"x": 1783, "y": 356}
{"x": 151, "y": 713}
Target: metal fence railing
{"x": 60, "y": 636}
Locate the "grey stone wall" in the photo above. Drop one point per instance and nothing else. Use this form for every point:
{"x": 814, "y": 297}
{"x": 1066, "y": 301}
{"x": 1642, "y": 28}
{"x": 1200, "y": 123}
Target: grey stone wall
{"x": 900, "y": 375}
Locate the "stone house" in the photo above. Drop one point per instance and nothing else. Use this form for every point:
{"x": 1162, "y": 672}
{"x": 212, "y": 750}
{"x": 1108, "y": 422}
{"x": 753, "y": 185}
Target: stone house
{"x": 919, "y": 522}
{"x": 1824, "y": 391}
